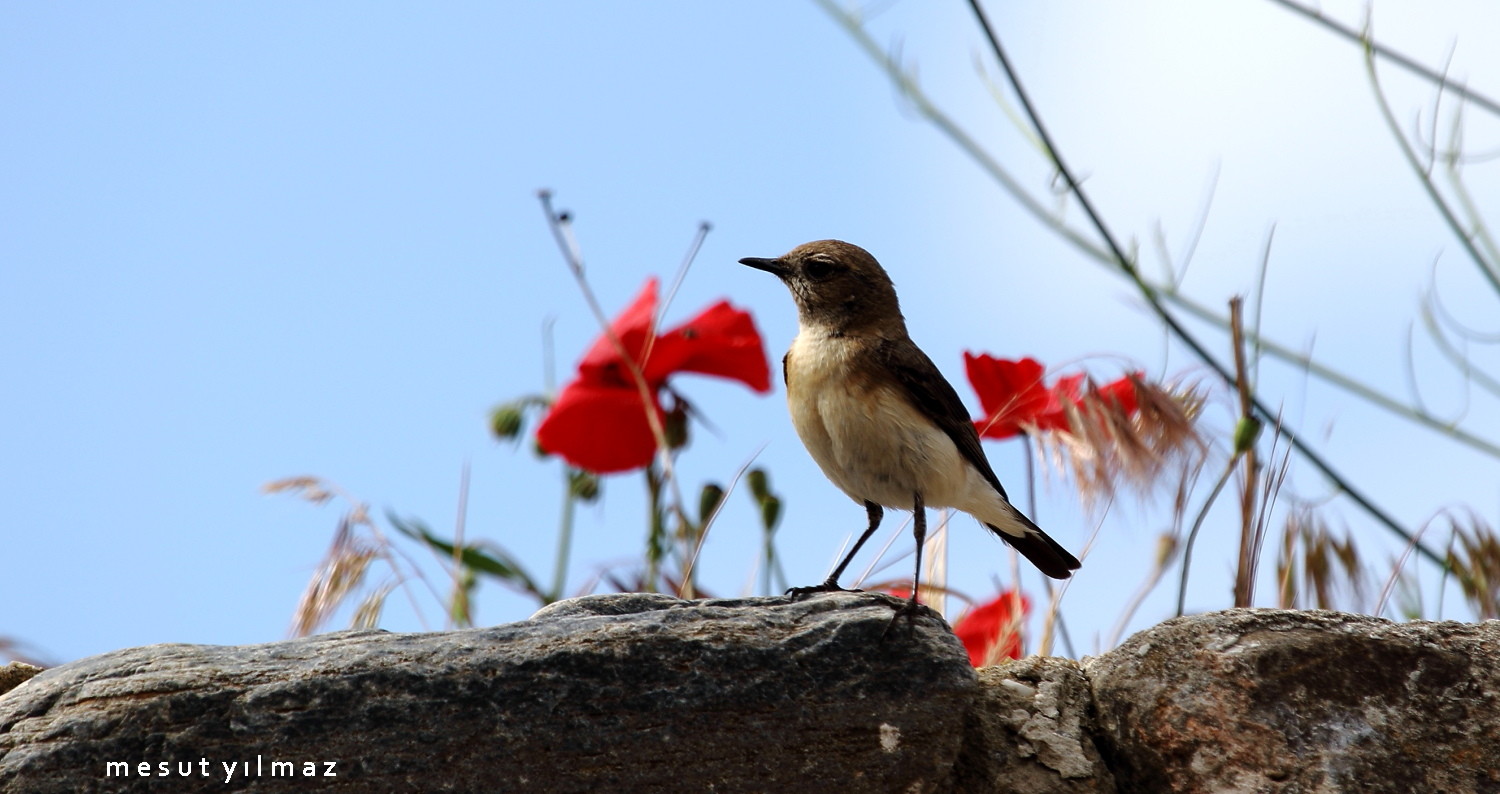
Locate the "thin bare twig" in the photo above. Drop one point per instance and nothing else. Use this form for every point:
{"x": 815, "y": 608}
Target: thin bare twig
{"x": 1166, "y": 548}
{"x": 1153, "y": 299}
{"x": 925, "y": 107}
{"x": 1192, "y": 538}
{"x": 687, "y": 572}
{"x": 459, "y": 606}
{"x": 1390, "y": 583}
{"x": 1246, "y": 449}
{"x": 1360, "y": 38}
{"x": 558, "y": 223}
{"x": 1488, "y": 269}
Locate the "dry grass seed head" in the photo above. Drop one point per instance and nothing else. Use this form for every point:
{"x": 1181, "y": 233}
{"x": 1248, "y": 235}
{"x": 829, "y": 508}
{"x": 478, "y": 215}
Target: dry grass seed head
{"x": 1330, "y": 566}
{"x": 367, "y": 614}
{"x": 1475, "y": 557}
{"x": 1105, "y": 446}
{"x": 340, "y": 573}
{"x": 309, "y": 488}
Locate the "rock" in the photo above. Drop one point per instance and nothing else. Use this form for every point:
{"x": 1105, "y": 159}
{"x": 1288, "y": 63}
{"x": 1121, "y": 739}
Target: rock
{"x": 1032, "y": 731}
{"x": 1253, "y": 700}
{"x": 604, "y": 693}
{"x": 649, "y": 693}
{"x": 14, "y": 674}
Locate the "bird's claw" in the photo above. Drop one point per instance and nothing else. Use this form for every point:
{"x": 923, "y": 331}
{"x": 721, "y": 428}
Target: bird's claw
{"x": 908, "y": 609}
{"x": 830, "y": 586}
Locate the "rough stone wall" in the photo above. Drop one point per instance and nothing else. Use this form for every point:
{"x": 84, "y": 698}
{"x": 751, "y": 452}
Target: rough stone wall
{"x": 1280, "y": 701}
{"x": 648, "y": 693}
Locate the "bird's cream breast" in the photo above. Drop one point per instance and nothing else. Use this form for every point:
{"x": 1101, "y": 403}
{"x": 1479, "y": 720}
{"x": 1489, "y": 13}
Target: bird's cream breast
{"x": 811, "y": 369}
{"x": 865, "y": 435}
{"x": 817, "y": 361}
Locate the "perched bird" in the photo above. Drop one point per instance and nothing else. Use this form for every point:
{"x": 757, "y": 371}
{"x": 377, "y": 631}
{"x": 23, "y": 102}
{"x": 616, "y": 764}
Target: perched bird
{"x": 879, "y": 418}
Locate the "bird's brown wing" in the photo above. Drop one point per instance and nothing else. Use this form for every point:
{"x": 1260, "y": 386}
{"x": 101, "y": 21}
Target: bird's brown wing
{"x": 934, "y": 396}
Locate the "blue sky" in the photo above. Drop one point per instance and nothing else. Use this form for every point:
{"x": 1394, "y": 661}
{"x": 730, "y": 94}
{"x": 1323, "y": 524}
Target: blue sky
{"x": 240, "y": 242}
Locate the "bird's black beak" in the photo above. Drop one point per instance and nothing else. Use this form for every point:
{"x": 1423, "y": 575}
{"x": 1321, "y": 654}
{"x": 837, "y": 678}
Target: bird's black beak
{"x": 775, "y": 267}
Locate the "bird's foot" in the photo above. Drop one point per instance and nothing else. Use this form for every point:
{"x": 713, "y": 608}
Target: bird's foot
{"x": 830, "y": 586}
{"x": 908, "y": 610}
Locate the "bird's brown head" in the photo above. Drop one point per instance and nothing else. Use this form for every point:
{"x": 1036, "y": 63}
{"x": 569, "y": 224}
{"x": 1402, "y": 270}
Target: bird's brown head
{"x": 838, "y": 287}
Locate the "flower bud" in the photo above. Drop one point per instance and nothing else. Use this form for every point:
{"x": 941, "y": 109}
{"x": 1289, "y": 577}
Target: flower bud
{"x": 708, "y": 501}
{"x": 759, "y": 483}
{"x": 506, "y": 421}
{"x": 675, "y": 427}
{"x": 770, "y": 512}
{"x": 1246, "y": 431}
{"x": 583, "y": 485}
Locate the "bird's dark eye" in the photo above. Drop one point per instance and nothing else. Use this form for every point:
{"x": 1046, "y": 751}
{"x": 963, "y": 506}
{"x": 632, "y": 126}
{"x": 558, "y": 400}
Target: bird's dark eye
{"x": 818, "y": 269}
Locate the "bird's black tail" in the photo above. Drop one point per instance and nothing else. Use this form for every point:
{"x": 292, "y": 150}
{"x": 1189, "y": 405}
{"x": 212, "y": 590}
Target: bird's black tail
{"x": 1037, "y": 546}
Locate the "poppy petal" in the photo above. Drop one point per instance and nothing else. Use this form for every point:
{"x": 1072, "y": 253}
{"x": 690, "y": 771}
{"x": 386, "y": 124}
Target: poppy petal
{"x": 633, "y": 327}
{"x": 1064, "y": 395}
{"x": 1122, "y": 392}
{"x": 598, "y": 422}
{"x": 1010, "y": 392}
{"x": 600, "y": 428}
{"x": 721, "y": 340}
{"x": 982, "y": 627}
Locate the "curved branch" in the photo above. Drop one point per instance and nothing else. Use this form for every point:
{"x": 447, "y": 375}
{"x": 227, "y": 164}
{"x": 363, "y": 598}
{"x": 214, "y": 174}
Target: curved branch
{"x": 1150, "y": 294}
{"x": 1380, "y": 50}
{"x": 926, "y": 108}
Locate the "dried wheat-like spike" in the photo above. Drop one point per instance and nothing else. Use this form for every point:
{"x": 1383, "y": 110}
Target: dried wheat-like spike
{"x": 310, "y": 488}
{"x": 1109, "y": 443}
{"x": 339, "y": 574}
{"x": 367, "y": 614}
{"x": 1331, "y": 574}
{"x": 1475, "y": 558}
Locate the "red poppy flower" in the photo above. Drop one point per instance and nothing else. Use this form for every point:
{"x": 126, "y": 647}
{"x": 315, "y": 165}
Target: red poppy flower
{"x": 1122, "y": 392}
{"x": 1015, "y": 401}
{"x": 992, "y": 631}
{"x": 1010, "y": 392}
{"x": 598, "y": 422}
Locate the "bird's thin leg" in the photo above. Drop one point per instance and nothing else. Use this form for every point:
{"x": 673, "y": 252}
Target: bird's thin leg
{"x": 918, "y": 529}
{"x": 832, "y": 584}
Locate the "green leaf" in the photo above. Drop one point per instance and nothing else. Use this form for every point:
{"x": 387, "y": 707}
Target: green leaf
{"x": 496, "y": 563}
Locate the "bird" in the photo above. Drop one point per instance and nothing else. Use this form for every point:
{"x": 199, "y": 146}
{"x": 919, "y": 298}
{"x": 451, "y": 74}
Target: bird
{"x": 878, "y": 417}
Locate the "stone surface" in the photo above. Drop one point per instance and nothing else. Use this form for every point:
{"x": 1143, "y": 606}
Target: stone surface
{"x": 648, "y": 693}
{"x": 605, "y": 693}
{"x": 1277, "y": 701}
{"x": 14, "y": 674}
{"x": 1031, "y": 730}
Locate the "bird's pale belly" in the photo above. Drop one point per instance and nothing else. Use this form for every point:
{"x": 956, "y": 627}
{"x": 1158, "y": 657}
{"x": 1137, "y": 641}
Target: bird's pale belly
{"x": 874, "y": 446}
{"x": 868, "y": 439}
